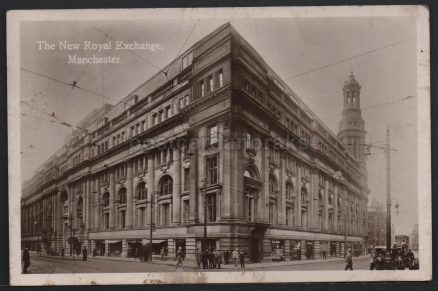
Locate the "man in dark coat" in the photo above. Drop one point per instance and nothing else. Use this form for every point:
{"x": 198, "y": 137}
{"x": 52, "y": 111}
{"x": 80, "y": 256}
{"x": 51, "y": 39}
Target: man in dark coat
{"x": 84, "y": 254}
{"x": 242, "y": 259}
{"x": 26, "y": 260}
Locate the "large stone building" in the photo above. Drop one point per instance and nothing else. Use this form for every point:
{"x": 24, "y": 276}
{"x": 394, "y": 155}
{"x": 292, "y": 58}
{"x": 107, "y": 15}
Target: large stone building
{"x": 218, "y": 137}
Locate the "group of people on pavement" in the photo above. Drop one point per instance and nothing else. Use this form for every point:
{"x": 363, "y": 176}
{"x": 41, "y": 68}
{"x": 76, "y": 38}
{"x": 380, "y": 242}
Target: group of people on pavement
{"x": 209, "y": 258}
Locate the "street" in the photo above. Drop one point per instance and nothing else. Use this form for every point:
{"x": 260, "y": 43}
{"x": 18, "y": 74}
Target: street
{"x": 46, "y": 265}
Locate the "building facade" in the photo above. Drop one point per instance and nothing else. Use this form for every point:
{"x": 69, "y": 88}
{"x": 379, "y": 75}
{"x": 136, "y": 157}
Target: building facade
{"x": 218, "y": 139}
{"x": 376, "y": 225}
{"x": 414, "y": 238}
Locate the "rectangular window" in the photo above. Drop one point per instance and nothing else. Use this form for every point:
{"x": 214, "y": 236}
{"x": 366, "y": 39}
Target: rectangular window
{"x": 271, "y": 213}
{"x": 161, "y": 116}
{"x": 185, "y": 215}
{"x": 211, "y": 207}
{"x": 123, "y": 136}
{"x": 186, "y": 99}
{"x": 212, "y": 170}
{"x": 201, "y": 88}
{"x": 210, "y": 84}
{"x": 212, "y": 135}
{"x": 141, "y": 216}
{"x": 187, "y": 60}
{"x": 220, "y": 78}
{"x": 180, "y": 103}
{"x": 168, "y": 112}
{"x": 106, "y": 220}
{"x": 154, "y": 119}
{"x": 143, "y": 125}
{"x": 132, "y": 131}
{"x": 122, "y": 219}
{"x": 186, "y": 179}
{"x": 250, "y": 141}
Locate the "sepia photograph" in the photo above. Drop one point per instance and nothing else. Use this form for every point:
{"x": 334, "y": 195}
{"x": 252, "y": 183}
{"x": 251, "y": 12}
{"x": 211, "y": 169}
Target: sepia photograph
{"x": 219, "y": 145}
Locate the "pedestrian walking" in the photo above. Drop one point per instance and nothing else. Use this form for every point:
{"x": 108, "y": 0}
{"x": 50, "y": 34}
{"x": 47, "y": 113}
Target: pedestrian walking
{"x": 179, "y": 256}
{"x": 242, "y": 259}
{"x": 62, "y": 252}
{"x": 162, "y": 253}
{"x": 235, "y": 256}
{"x": 94, "y": 252}
{"x": 26, "y": 260}
{"x": 84, "y": 254}
{"x": 349, "y": 261}
{"x": 324, "y": 255}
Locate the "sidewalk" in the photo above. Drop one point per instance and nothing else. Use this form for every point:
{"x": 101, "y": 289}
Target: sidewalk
{"x": 192, "y": 263}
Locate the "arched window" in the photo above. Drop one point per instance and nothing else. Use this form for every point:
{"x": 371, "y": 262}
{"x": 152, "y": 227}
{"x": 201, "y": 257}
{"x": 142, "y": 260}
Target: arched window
{"x": 106, "y": 199}
{"x": 289, "y": 190}
{"x": 273, "y": 186}
{"x": 166, "y": 185}
{"x": 122, "y": 195}
{"x": 142, "y": 191}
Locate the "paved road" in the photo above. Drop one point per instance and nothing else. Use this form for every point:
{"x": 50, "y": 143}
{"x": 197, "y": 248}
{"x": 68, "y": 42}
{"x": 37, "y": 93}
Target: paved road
{"x": 47, "y": 265}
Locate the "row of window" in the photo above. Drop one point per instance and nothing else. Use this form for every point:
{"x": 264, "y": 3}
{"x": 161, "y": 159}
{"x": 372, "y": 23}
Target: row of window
{"x": 253, "y": 90}
{"x": 212, "y": 83}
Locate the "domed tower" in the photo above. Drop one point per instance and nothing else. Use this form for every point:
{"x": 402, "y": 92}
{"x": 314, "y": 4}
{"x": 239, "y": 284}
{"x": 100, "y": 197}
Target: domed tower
{"x": 352, "y": 126}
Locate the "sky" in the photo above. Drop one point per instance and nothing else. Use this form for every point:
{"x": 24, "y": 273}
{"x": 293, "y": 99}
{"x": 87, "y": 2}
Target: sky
{"x": 310, "y": 50}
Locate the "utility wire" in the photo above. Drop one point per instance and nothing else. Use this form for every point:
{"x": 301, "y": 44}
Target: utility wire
{"x": 347, "y": 59}
{"x": 134, "y": 53}
{"x": 40, "y": 110}
{"x": 185, "y": 40}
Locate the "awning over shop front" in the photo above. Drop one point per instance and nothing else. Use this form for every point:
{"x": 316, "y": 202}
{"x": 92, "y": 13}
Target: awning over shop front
{"x": 110, "y": 241}
{"x": 158, "y": 241}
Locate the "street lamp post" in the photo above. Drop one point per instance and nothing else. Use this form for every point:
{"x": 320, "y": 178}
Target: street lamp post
{"x": 151, "y": 224}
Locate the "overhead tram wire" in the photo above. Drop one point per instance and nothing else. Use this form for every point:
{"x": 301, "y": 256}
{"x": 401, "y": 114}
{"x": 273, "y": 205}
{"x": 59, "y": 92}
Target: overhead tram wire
{"x": 40, "y": 110}
{"x": 185, "y": 40}
{"x": 348, "y": 59}
{"x": 134, "y": 53}
{"x": 373, "y": 106}
{"x": 82, "y": 73}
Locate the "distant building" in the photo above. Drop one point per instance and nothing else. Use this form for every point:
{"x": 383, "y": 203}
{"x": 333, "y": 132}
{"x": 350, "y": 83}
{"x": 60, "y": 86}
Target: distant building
{"x": 414, "y": 238}
{"x": 376, "y": 224}
{"x": 218, "y": 139}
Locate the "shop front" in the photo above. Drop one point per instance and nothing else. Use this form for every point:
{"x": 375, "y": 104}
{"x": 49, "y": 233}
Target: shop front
{"x": 295, "y": 250}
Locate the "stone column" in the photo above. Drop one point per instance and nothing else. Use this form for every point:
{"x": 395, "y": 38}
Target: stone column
{"x": 112, "y": 190}
{"x": 326, "y": 196}
{"x": 84, "y": 203}
{"x": 124, "y": 248}
{"x": 97, "y": 204}
{"x": 193, "y": 202}
{"x": 282, "y": 194}
{"x": 107, "y": 253}
{"x": 58, "y": 219}
{"x": 176, "y": 200}
{"x": 91, "y": 203}
{"x": 151, "y": 187}
{"x": 335, "y": 209}
{"x": 190, "y": 248}
{"x": 129, "y": 195}
{"x": 171, "y": 248}
{"x": 298, "y": 200}
{"x": 265, "y": 187}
